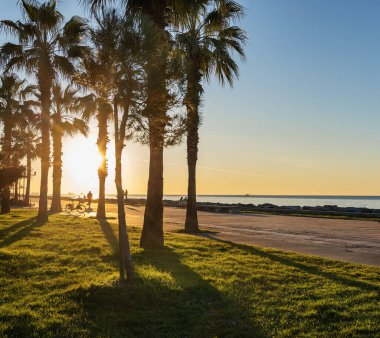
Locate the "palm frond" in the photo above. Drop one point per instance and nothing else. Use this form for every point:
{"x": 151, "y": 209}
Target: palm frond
{"x": 46, "y": 14}
{"x": 96, "y": 5}
{"x": 89, "y": 106}
{"x": 10, "y": 27}
{"x": 10, "y": 50}
{"x": 74, "y": 32}
{"x": 64, "y": 66}
{"x": 75, "y": 127}
{"x": 30, "y": 10}
{"x": 78, "y": 51}
{"x": 212, "y": 41}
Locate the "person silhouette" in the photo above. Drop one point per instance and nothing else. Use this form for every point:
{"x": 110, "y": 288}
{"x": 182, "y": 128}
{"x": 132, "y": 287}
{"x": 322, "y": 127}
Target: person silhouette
{"x": 126, "y": 194}
{"x": 89, "y": 199}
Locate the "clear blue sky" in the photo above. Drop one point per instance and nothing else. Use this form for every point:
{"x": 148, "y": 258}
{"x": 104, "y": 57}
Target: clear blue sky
{"x": 304, "y": 116}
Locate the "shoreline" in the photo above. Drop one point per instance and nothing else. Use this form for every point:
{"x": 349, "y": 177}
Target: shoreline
{"x": 326, "y": 211}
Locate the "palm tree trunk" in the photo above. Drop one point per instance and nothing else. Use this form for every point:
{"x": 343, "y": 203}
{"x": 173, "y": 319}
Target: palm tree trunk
{"x": 28, "y": 178}
{"x": 16, "y": 185}
{"x": 5, "y": 200}
{"x": 45, "y": 83}
{"x": 153, "y": 232}
{"x": 16, "y": 191}
{"x": 101, "y": 211}
{"x": 56, "y": 205}
{"x": 102, "y": 171}
{"x": 191, "y": 223}
{"x": 7, "y": 151}
{"x": 192, "y": 102}
{"x": 124, "y": 246}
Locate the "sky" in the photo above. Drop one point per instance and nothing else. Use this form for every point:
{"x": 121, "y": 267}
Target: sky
{"x": 302, "y": 119}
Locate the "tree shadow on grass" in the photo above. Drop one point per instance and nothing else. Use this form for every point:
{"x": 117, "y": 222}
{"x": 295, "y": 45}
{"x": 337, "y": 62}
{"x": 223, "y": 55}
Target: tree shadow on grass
{"x": 167, "y": 299}
{"x": 5, "y": 231}
{"x": 134, "y": 209}
{"x": 110, "y": 236}
{"x": 310, "y": 269}
{"x": 22, "y": 229}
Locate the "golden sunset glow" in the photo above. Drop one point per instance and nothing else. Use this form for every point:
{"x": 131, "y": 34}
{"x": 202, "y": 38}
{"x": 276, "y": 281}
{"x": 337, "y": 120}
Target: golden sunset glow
{"x": 188, "y": 168}
{"x": 81, "y": 161}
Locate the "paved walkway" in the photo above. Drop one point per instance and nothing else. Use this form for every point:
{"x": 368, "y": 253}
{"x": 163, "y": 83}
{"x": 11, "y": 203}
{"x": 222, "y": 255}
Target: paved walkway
{"x": 348, "y": 240}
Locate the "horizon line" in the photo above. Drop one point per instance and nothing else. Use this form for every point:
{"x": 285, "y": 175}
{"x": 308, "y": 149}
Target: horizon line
{"x": 234, "y": 195}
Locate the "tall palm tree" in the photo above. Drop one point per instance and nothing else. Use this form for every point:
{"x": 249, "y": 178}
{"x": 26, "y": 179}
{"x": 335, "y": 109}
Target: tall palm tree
{"x": 7, "y": 109}
{"x": 208, "y": 42}
{"x": 128, "y": 96}
{"x": 26, "y": 145}
{"x": 64, "y": 104}
{"x": 46, "y": 46}
{"x": 17, "y": 155}
{"x": 31, "y": 147}
{"x": 14, "y": 110}
{"x": 9, "y": 176}
{"x": 96, "y": 77}
{"x": 159, "y": 14}
{"x": 112, "y": 77}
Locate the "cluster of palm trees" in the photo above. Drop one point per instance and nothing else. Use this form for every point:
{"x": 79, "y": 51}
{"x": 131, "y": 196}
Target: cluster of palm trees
{"x": 136, "y": 65}
{"x": 19, "y": 140}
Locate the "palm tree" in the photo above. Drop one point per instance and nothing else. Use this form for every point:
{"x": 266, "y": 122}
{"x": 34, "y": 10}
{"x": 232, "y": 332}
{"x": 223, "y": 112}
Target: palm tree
{"x": 26, "y": 145}
{"x": 158, "y": 14}
{"x": 65, "y": 103}
{"x": 7, "y": 103}
{"x": 128, "y": 96}
{"x": 112, "y": 74}
{"x": 17, "y": 156}
{"x": 31, "y": 146}
{"x": 208, "y": 42}
{"x": 14, "y": 110}
{"x": 9, "y": 176}
{"x": 46, "y": 47}
{"x": 96, "y": 77}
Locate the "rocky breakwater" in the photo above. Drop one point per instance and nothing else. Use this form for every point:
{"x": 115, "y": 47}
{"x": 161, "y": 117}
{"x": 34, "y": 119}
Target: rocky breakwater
{"x": 329, "y": 210}
{"x": 325, "y": 210}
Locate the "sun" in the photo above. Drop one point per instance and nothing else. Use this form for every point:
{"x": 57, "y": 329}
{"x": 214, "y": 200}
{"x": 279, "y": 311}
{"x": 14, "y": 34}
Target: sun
{"x": 81, "y": 161}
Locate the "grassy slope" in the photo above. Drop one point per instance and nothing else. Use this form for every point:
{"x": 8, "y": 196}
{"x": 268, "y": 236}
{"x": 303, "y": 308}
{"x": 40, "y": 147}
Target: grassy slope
{"x": 59, "y": 279}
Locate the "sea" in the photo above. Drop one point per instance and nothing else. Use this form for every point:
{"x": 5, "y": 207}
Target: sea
{"x": 371, "y": 202}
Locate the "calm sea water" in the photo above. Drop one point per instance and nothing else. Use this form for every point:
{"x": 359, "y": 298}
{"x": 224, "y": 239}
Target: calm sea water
{"x": 372, "y": 202}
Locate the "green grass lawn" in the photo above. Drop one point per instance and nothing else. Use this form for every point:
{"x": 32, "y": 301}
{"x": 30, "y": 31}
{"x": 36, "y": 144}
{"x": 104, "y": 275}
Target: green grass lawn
{"x": 59, "y": 279}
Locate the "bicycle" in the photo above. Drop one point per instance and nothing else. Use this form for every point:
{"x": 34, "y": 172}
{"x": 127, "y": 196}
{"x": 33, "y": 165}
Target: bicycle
{"x": 80, "y": 208}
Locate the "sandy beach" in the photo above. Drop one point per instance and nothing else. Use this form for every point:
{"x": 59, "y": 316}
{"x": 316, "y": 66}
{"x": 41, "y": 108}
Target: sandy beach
{"x": 353, "y": 241}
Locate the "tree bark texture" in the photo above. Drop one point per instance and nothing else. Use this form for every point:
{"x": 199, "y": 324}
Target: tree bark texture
{"x": 153, "y": 233}
{"x": 45, "y": 79}
{"x": 156, "y": 111}
{"x": 56, "y": 205}
{"x": 192, "y": 102}
{"x": 28, "y": 177}
{"x": 6, "y": 152}
{"x": 102, "y": 170}
{"x": 124, "y": 246}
